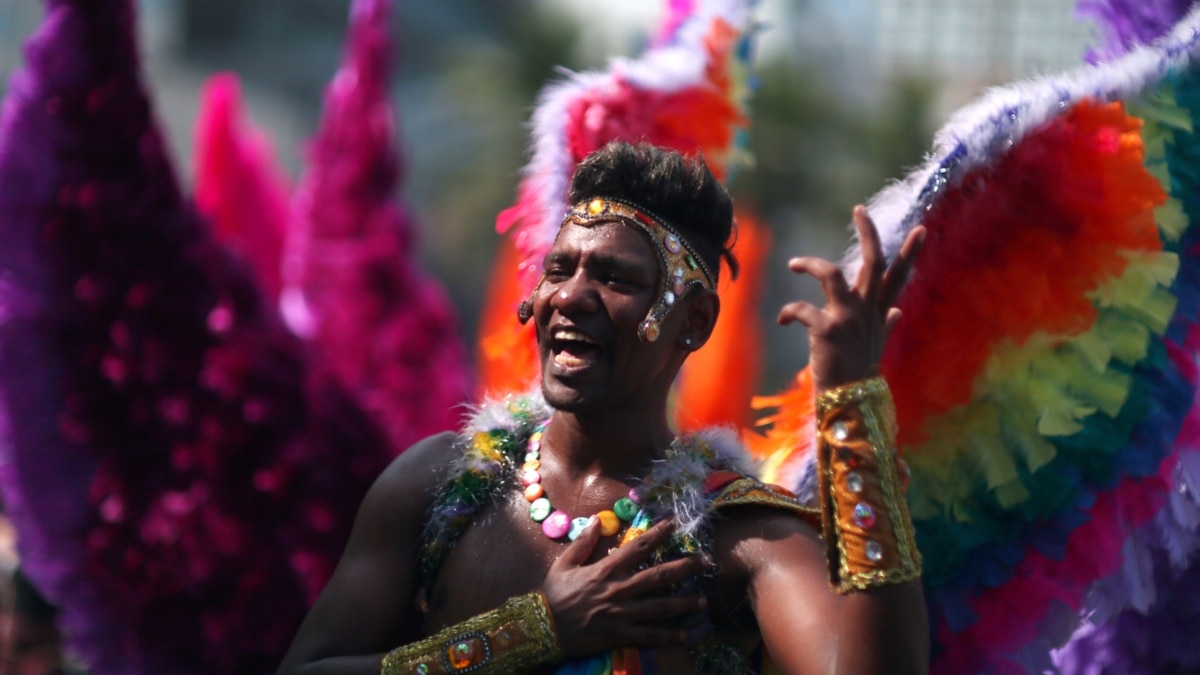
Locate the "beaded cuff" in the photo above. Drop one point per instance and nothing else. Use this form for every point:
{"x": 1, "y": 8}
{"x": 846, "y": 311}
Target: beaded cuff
{"x": 516, "y": 637}
{"x": 865, "y": 521}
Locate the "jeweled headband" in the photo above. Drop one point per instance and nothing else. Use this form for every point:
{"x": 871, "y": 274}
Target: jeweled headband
{"x": 680, "y": 267}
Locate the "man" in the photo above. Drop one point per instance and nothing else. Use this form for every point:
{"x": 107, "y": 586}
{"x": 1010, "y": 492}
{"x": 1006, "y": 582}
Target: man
{"x": 476, "y": 575}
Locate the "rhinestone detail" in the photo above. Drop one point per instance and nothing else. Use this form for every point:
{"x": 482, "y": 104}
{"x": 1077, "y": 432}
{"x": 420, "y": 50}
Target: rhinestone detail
{"x": 854, "y": 482}
{"x": 864, "y": 515}
{"x": 841, "y": 430}
{"x": 874, "y": 551}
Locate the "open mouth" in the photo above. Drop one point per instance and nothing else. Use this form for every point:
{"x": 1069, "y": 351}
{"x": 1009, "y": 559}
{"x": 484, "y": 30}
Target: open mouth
{"x": 572, "y": 349}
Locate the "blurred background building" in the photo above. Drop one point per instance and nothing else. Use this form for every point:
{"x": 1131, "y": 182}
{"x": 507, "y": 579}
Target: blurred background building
{"x": 850, "y": 93}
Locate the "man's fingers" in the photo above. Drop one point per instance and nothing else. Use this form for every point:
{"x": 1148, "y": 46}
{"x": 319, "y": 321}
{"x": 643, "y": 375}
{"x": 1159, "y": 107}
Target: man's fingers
{"x": 663, "y": 577}
{"x": 638, "y": 551}
{"x": 803, "y": 313}
{"x": 874, "y": 262}
{"x": 833, "y": 282}
{"x": 897, "y": 274}
{"x": 581, "y": 549}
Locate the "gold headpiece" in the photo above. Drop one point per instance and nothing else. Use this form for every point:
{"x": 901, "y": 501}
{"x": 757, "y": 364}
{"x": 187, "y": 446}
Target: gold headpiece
{"x": 680, "y": 267}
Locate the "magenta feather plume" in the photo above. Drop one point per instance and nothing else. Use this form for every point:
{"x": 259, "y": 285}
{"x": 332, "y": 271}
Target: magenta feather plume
{"x": 355, "y": 288}
{"x": 180, "y": 479}
{"x": 239, "y": 185}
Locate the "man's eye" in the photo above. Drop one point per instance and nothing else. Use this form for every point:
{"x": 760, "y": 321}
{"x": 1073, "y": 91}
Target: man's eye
{"x": 618, "y": 280}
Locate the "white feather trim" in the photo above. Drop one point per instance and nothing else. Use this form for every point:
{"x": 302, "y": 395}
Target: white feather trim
{"x": 665, "y": 69}
{"x": 987, "y": 129}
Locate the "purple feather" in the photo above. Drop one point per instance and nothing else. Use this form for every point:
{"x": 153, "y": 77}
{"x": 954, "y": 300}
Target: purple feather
{"x": 384, "y": 327}
{"x": 1124, "y": 24}
{"x": 180, "y": 479}
{"x": 1161, "y": 640}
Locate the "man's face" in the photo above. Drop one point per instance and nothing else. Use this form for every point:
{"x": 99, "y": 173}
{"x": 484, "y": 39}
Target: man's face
{"x": 600, "y": 282}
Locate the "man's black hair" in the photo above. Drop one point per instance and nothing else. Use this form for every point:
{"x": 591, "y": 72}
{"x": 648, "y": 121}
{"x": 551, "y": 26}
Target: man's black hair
{"x": 676, "y": 188}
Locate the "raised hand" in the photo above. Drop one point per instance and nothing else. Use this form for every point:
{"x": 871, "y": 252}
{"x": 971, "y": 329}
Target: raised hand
{"x": 847, "y": 335}
{"x": 615, "y": 602}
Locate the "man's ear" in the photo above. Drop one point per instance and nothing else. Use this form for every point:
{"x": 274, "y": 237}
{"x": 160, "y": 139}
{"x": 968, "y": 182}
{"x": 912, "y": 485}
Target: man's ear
{"x": 702, "y": 311}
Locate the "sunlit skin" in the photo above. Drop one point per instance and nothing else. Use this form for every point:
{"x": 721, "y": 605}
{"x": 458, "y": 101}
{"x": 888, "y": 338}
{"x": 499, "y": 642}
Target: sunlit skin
{"x": 599, "y": 283}
{"x": 610, "y": 391}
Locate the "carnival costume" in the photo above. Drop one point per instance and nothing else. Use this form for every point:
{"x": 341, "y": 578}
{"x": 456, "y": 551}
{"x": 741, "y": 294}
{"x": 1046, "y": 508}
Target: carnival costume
{"x": 181, "y": 474}
{"x": 862, "y": 514}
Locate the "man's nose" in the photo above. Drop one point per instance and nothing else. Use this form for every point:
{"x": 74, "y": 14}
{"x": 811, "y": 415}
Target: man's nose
{"x": 577, "y": 294}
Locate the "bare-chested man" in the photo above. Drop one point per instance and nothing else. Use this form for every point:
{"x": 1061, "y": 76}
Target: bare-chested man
{"x": 511, "y": 547}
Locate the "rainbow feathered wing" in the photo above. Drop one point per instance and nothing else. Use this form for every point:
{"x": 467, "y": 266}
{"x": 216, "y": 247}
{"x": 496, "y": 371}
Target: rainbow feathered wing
{"x": 1045, "y": 369}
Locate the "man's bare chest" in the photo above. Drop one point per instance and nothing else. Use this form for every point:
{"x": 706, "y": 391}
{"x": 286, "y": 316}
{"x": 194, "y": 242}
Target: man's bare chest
{"x": 503, "y": 553}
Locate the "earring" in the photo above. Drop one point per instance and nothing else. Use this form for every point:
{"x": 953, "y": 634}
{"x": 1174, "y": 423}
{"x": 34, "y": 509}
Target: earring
{"x": 687, "y": 342}
{"x": 525, "y": 312}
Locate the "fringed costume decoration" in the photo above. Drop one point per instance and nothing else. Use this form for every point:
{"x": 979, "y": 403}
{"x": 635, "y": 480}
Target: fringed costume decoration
{"x": 181, "y": 472}
{"x": 1044, "y": 371}
{"x": 689, "y": 91}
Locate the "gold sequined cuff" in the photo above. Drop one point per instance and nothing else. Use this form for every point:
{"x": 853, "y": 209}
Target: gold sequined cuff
{"x": 516, "y": 637}
{"x": 868, "y": 531}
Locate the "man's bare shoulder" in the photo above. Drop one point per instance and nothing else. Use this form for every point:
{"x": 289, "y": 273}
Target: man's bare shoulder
{"x": 424, "y": 464}
{"x": 749, "y": 535}
{"x": 406, "y": 488}
{"x": 746, "y": 522}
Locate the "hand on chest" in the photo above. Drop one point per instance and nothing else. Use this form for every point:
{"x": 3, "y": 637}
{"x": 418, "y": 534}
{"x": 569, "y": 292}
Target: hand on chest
{"x": 506, "y": 552}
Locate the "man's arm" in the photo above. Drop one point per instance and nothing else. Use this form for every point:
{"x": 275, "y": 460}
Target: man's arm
{"x": 805, "y": 624}
{"x": 869, "y": 553}
{"x": 367, "y": 607}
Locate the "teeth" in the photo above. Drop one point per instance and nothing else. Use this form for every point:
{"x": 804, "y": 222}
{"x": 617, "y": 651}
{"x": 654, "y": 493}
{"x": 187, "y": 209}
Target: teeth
{"x": 568, "y": 361}
{"x": 575, "y": 336}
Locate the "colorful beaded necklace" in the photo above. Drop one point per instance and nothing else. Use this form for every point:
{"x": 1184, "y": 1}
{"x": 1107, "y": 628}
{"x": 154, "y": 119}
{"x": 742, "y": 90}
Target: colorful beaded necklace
{"x": 499, "y": 435}
{"x": 557, "y": 524}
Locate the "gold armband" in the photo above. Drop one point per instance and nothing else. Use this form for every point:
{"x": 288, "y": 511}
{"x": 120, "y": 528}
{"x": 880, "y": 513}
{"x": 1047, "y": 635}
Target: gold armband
{"x": 516, "y": 637}
{"x": 868, "y": 531}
